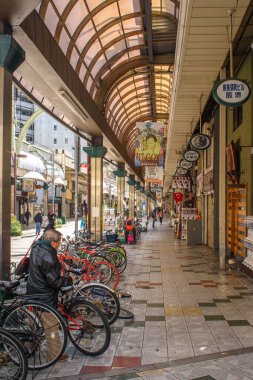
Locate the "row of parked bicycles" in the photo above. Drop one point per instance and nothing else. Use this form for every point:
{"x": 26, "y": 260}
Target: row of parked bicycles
{"x": 35, "y": 336}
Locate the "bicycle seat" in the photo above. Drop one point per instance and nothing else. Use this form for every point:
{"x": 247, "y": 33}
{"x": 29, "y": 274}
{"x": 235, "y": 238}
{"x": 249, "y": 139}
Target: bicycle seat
{"x": 9, "y": 284}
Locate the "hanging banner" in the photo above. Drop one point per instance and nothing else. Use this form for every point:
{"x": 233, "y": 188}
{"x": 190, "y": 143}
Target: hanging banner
{"x": 181, "y": 183}
{"x": 231, "y": 92}
{"x": 185, "y": 164}
{"x": 149, "y": 144}
{"x": 178, "y": 197}
{"x": 191, "y": 155}
{"x": 154, "y": 174}
{"x": 200, "y": 141}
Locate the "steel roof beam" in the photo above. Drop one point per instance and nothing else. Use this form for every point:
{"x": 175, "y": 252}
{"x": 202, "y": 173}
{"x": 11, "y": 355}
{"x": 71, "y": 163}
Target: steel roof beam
{"x": 146, "y": 4}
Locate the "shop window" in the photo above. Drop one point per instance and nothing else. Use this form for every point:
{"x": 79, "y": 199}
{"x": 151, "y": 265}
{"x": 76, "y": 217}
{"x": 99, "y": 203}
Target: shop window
{"x": 237, "y": 117}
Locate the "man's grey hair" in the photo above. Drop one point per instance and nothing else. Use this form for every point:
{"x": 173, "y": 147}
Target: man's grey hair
{"x": 51, "y": 235}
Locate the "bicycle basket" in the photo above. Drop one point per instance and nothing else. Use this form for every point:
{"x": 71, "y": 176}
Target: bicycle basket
{"x": 113, "y": 238}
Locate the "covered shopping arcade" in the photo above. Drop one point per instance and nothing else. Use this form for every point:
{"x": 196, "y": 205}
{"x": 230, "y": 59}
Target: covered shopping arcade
{"x": 101, "y": 67}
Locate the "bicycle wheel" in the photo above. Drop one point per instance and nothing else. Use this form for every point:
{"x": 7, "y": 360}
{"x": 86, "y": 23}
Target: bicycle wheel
{"x": 105, "y": 298}
{"x": 104, "y": 272}
{"x": 42, "y": 331}
{"x": 13, "y": 359}
{"x": 84, "y": 329}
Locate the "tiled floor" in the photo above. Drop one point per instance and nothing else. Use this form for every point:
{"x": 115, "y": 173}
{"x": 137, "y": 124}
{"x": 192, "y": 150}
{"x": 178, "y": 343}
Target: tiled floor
{"x": 185, "y": 309}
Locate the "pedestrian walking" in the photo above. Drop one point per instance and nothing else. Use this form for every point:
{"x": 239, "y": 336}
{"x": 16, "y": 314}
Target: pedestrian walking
{"x": 38, "y": 222}
{"x": 161, "y": 215}
{"x": 27, "y": 216}
{"x": 153, "y": 216}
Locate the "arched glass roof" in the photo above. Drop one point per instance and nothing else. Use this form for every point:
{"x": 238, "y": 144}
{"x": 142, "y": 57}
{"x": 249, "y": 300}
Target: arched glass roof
{"x": 126, "y": 37}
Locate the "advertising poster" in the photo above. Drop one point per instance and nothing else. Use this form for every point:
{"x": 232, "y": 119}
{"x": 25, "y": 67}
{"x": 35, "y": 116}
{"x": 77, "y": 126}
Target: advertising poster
{"x": 149, "y": 145}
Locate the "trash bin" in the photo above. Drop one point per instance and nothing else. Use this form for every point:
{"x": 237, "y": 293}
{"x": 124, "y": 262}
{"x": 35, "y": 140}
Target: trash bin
{"x": 63, "y": 218}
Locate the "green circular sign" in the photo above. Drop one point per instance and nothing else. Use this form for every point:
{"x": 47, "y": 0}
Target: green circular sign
{"x": 231, "y": 92}
{"x": 200, "y": 141}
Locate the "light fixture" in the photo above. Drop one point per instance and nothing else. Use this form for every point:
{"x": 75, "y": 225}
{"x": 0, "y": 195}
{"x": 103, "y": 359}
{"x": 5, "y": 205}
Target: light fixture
{"x": 74, "y": 106}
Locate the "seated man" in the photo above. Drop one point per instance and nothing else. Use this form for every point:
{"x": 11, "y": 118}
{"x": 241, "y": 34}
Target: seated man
{"x": 45, "y": 279}
{"x": 45, "y": 269}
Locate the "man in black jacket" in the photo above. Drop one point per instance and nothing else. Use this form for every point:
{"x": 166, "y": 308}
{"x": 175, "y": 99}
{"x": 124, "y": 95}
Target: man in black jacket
{"x": 45, "y": 269}
{"x": 45, "y": 279}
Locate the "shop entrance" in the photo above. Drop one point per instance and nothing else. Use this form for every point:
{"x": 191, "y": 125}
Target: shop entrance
{"x": 236, "y": 212}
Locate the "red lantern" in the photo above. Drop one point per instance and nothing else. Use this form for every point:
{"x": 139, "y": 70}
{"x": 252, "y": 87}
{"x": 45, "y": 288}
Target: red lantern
{"x": 37, "y": 186}
{"x": 178, "y": 197}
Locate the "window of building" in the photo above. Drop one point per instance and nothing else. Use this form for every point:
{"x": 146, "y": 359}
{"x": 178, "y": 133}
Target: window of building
{"x": 55, "y": 127}
{"x": 237, "y": 117}
{"x": 66, "y": 140}
{"x": 55, "y": 141}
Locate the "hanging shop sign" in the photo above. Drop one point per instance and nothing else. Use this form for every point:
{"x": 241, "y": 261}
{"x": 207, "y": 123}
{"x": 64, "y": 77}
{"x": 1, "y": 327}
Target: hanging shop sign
{"x": 154, "y": 175}
{"x": 181, "y": 183}
{"x": 231, "y": 92}
{"x": 200, "y": 141}
{"x": 191, "y": 155}
{"x": 27, "y": 185}
{"x": 178, "y": 197}
{"x": 149, "y": 144}
{"x": 186, "y": 164}
{"x": 181, "y": 171}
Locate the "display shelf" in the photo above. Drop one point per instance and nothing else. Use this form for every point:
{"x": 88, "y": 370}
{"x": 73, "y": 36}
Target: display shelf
{"x": 248, "y": 242}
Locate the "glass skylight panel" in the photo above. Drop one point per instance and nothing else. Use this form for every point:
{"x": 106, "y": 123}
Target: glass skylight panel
{"x": 64, "y": 41}
{"x": 115, "y": 49}
{"x": 86, "y": 34}
{"x": 74, "y": 58}
{"x": 82, "y": 72}
{"x": 110, "y": 34}
{"x": 127, "y": 7}
{"x": 98, "y": 65}
{"x": 132, "y": 24}
{"x": 51, "y": 19}
{"x": 60, "y": 5}
{"x": 122, "y": 59}
{"x": 76, "y": 16}
{"x": 93, "y": 50}
{"x": 89, "y": 83}
{"x": 93, "y": 4}
{"x": 135, "y": 40}
{"x": 106, "y": 15}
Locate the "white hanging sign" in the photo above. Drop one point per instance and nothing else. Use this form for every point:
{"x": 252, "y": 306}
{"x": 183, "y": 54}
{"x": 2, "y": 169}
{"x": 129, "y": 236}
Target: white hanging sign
{"x": 191, "y": 155}
{"x": 231, "y": 92}
{"x": 186, "y": 164}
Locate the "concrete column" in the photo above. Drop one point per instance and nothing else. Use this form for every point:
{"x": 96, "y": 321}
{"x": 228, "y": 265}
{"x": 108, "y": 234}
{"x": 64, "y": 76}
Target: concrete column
{"x": 121, "y": 185}
{"x": 131, "y": 184}
{"x": 45, "y": 200}
{"x": 63, "y": 203}
{"x": 222, "y": 179}
{"x": 96, "y": 152}
{"x": 11, "y": 56}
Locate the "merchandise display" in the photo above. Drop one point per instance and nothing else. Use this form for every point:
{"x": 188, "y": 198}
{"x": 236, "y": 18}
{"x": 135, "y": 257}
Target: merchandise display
{"x": 248, "y": 243}
{"x": 186, "y": 214}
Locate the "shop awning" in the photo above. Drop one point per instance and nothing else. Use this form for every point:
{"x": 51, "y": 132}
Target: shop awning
{"x": 35, "y": 176}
